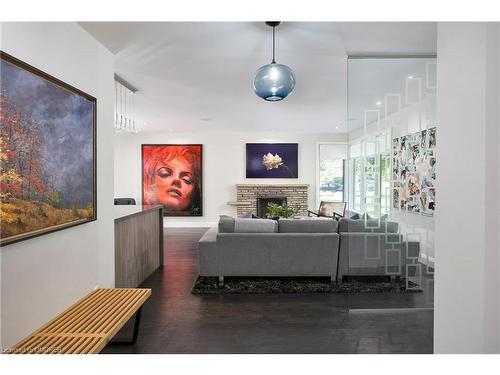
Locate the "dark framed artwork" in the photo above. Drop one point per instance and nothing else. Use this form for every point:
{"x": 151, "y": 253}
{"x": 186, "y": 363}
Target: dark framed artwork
{"x": 272, "y": 160}
{"x": 172, "y": 177}
{"x": 48, "y": 153}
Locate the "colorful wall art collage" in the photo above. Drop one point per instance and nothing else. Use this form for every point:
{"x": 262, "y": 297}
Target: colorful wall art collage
{"x": 414, "y": 172}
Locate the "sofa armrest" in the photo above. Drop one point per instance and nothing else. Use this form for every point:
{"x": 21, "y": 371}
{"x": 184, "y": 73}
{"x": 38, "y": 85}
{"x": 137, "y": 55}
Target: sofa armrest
{"x": 207, "y": 253}
{"x": 209, "y": 236}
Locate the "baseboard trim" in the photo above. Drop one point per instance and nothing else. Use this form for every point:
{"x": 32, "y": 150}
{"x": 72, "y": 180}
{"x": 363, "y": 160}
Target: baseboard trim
{"x": 388, "y": 311}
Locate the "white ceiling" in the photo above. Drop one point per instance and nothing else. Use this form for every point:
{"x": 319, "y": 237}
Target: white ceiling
{"x": 197, "y": 75}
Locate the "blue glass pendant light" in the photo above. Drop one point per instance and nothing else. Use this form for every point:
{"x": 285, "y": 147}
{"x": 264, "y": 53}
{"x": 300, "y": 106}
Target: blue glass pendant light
{"x": 273, "y": 82}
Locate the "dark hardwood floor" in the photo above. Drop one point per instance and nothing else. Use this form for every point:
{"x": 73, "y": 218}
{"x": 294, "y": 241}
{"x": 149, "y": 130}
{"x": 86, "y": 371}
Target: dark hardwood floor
{"x": 175, "y": 321}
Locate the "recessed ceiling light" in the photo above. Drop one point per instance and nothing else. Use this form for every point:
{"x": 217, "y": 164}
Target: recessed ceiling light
{"x": 410, "y": 77}
{"x": 336, "y": 127}
{"x": 379, "y": 103}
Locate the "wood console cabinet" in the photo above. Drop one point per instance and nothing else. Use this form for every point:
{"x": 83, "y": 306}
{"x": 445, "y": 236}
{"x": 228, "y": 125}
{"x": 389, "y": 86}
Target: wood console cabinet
{"x": 138, "y": 243}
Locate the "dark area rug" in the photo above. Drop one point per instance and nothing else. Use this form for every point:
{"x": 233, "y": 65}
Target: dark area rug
{"x": 258, "y": 285}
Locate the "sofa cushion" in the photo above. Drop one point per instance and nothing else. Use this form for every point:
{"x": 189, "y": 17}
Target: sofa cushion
{"x": 307, "y": 226}
{"x": 357, "y": 216}
{"x": 226, "y": 224}
{"x": 251, "y": 215}
{"x": 368, "y": 226}
{"x": 244, "y": 225}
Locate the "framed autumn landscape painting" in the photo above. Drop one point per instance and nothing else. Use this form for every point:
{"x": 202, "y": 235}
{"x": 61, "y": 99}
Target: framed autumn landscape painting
{"x": 47, "y": 153}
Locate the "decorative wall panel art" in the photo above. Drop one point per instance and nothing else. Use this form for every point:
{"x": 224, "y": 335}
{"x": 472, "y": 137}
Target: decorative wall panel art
{"x": 414, "y": 172}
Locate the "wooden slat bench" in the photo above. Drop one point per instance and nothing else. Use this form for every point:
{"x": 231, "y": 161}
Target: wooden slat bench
{"x": 88, "y": 325}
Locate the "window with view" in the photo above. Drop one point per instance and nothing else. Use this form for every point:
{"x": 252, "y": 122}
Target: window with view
{"x": 371, "y": 185}
{"x": 385, "y": 183}
{"x": 356, "y": 184}
{"x": 331, "y": 172}
{"x": 371, "y": 176}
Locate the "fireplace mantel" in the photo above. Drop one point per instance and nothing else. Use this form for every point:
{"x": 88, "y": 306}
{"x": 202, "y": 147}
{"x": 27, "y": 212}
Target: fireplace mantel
{"x": 273, "y": 185}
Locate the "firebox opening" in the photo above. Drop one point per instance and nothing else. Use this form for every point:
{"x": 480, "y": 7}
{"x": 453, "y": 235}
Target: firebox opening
{"x": 262, "y": 204}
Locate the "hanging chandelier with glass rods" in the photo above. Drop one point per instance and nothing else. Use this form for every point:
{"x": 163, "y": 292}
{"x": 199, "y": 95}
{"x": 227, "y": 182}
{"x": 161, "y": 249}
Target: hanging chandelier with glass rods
{"x": 124, "y": 122}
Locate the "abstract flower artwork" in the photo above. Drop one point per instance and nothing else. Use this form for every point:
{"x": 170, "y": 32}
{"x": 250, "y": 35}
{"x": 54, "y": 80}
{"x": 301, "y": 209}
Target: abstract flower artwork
{"x": 271, "y": 160}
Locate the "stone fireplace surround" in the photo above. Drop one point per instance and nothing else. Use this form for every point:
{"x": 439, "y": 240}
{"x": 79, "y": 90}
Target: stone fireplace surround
{"x": 247, "y": 194}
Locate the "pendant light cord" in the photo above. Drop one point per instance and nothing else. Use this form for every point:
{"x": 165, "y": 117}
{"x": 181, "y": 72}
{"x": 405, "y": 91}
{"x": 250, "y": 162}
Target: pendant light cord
{"x": 274, "y": 28}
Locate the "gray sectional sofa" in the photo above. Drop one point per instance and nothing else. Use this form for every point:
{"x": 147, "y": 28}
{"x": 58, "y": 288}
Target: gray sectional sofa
{"x": 263, "y": 247}
{"x": 305, "y": 247}
{"x": 374, "y": 248}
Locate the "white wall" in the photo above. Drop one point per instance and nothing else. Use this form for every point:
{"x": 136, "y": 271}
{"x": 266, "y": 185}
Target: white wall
{"x": 223, "y": 166}
{"x": 467, "y": 287}
{"x": 44, "y": 275}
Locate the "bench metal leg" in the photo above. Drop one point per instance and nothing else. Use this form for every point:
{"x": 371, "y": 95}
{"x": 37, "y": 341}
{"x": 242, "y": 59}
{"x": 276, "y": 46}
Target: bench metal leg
{"x": 137, "y": 325}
